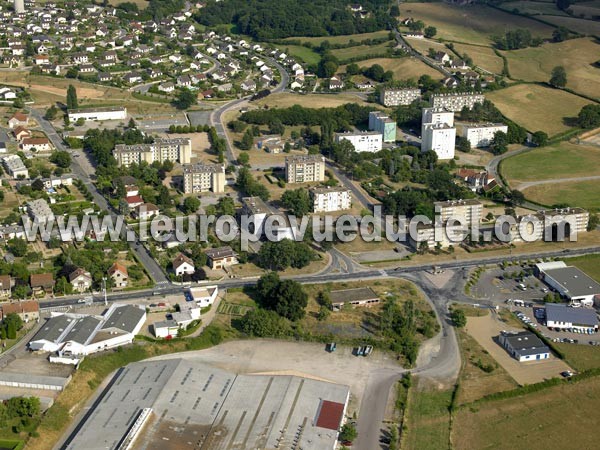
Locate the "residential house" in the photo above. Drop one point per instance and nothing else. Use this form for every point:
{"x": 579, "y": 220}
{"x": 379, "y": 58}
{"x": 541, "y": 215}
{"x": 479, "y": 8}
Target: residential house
{"x": 182, "y": 265}
{"x": 81, "y": 280}
{"x": 41, "y": 284}
{"x": 5, "y": 286}
{"x": 118, "y": 273}
{"x": 21, "y": 133}
{"x": 18, "y": 119}
{"x": 27, "y": 310}
{"x": 36, "y": 144}
{"x": 146, "y": 211}
{"x": 222, "y": 257}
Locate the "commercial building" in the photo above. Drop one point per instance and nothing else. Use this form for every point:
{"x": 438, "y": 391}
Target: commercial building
{"x": 398, "y": 97}
{"x": 203, "y": 178}
{"x": 78, "y": 335}
{"x": 166, "y": 329}
{"x": 117, "y": 113}
{"x": 524, "y": 346}
{"x": 363, "y": 141}
{"x": 161, "y": 150}
{"x": 40, "y": 210}
{"x": 191, "y": 401}
{"x": 563, "y": 317}
{"x": 353, "y": 297}
{"x": 438, "y": 133}
{"x": 15, "y": 167}
{"x": 481, "y": 135}
{"x": 570, "y": 282}
{"x": 456, "y": 101}
{"x": 330, "y": 199}
{"x": 305, "y": 169}
{"x": 382, "y": 123}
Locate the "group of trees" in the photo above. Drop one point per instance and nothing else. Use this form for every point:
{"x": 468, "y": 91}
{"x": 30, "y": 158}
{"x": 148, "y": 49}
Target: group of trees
{"x": 558, "y": 78}
{"x": 21, "y": 413}
{"x": 297, "y": 201}
{"x": 589, "y": 116}
{"x": 72, "y": 102}
{"x": 516, "y": 39}
{"x": 248, "y": 184}
{"x": 286, "y": 297}
{"x": 10, "y": 325}
{"x": 185, "y": 99}
{"x": 283, "y": 254}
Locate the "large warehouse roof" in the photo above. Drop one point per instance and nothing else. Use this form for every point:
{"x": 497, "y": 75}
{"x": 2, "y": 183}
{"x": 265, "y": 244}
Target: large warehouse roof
{"x": 575, "y": 283}
{"x": 576, "y": 316}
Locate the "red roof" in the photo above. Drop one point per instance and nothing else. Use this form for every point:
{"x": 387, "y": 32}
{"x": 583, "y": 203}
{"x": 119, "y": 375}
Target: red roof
{"x": 133, "y": 199}
{"x": 330, "y": 415}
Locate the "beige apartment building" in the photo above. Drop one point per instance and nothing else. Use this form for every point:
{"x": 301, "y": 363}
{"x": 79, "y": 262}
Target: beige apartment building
{"x": 397, "y": 97}
{"x": 330, "y": 199}
{"x": 456, "y": 101}
{"x": 305, "y": 169}
{"x": 203, "y": 178}
{"x": 469, "y": 211}
{"x": 174, "y": 149}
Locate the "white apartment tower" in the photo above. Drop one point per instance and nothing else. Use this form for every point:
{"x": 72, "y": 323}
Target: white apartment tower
{"x": 305, "y": 169}
{"x": 19, "y": 6}
{"x": 438, "y": 133}
{"x": 363, "y": 141}
{"x": 330, "y": 199}
{"x": 203, "y": 178}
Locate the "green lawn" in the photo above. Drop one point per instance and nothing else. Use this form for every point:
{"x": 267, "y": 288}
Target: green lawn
{"x": 341, "y": 39}
{"x": 562, "y": 160}
{"x": 304, "y": 53}
{"x": 581, "y": 357}
{"x": 584, "y": 194}
{"x": 590, "y": 264}
{"x": 361, "y": 51}
{"x": 427, "y": 420}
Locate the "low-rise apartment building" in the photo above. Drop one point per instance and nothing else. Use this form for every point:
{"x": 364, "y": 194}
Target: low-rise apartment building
{"x": 363, "y": 141}
{"x": 203, "y": 177}
{"x": 15, "y": 167}
{"x": 481, "y": 135}
{"x": 398, "y": 97}
{"x": 40, "y": 210}
{"x": 325, "y": 199}
{"x": 456, "y": 101}
{"x": 174, "y": 149}
{"x": 305, "y": 169}
{"x": 382, "y": 123}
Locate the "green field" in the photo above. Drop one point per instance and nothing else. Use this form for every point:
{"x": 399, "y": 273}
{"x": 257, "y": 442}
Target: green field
{"x": 361, "y": 51}
{"x": 470, "y": 24}
{"x": 341, "y": 39}
{"x": 403, "y": 68}
{"x": 537, "y": 107}
{"x": 575, "y": 24}
{"x": 584, "y": 194}
{"x": 560, "y": 417}
{"x": 427, "y": 420}
{"x": 576, "y": 55}
{"x": 483, "y": 57}
{"x": 590, "y": 264}
{"x": 304, "y": 53}
{"x": 562, "y": 160}
{"x": 533, "y": 8}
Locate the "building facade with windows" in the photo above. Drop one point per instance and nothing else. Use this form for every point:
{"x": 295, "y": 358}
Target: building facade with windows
{"x": 203, "y": 178}
{"x": 305, "y": 169}
{"x": 326, "y": 199}
{"x": 363, "y": 141}
{"x": 398, "y": 97}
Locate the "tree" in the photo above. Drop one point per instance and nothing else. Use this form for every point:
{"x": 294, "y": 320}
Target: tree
{"x": 17, "y": 247}
{"x": 517, "y": 197}
{"x": 185, "y": 99}
{"x": 297, "y": 201}
{"x": 559, "y": 77}
{"x": 560, "y": 34}
{"x": 352, "y": 69}
{"x": 499, "y": 143}
{"x": 463, "y": 144}
{"x": 348, "y": 432}
{"x": 589, "y": 116}
{"x": 191, "y": 205}
{"x": 563, "y": 4}
{"x": 266, "y": 284}
{"x": 264, "y": 323}
{"x": 37, "y": 185}
{"x": 593, "y": 222}
{"x": 243, "y": 159}
{"x": 226, "y": 206}
{"x": 247, "y": 141}
{"x": 51, "y": 113}
{"x": 291, "y": 300}
{"x": 458, "y": 318}
{"x": 430, "y": 32}
{"x": 539, "y": 138}
{"x": 72, "y": 102}
{"x": 61, "y": 158}
{"x": 276, "y": 127}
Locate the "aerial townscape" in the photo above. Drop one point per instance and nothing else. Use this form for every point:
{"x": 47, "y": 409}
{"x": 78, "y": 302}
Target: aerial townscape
{"x": 299, "y": 224}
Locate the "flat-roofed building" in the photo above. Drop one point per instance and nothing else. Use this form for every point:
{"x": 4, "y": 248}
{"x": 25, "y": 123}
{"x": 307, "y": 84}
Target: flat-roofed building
{"x": 524, "y": 346}
{"x": 456, "y": 101}
{"x": 353, "y": 297}
{"x": 363, "y": 141}
{"x": 305, "y": 169}
{"x": 570, "y": 282}
{"x": 109, "y": 113}
{"x": 203, "y": 177}
{"x": 563, "y": 317}
{"x": 382, "y": 123}
{"x": 15, "y": 167}
{"x": 437, "y": 132}
{"x": 205, "y": 295}
{"x": 445, "y": 236}
{"x": 39, "y": 210}
{"x": 554, "y": 225}
{"x": 398, "y": 97}
{"x": 330, "y": 199}
{"x": 161, "y": 150}
{"x": 481, "y": 135}
{"x": 468, "y": 211}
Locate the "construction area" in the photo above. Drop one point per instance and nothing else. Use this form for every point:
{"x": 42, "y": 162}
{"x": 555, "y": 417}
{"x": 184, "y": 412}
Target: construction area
{"x": 178, "y": 404}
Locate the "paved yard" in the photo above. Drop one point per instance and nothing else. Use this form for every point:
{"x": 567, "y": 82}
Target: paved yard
{"x": 486, "y": 328}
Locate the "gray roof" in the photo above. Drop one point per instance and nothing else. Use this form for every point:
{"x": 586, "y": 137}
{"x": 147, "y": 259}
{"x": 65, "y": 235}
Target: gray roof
{"x": 124, "y": 318}
{"x": 576, "y": 316}
{"x": 526, "y": 343}
{"x": 574, "y": 282}
{"x": 169, "y": 323}
{"x": 53, "y": 328}
{"x": 82, "y": 330}
{"x": 353, "y": 295}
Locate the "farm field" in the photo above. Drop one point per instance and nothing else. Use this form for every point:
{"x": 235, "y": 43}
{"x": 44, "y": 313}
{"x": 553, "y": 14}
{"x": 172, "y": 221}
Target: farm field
{"x": 576, "y": 55}
{"x": 284, "y": 100}
{"x": 141, "y": 4}
{"x": 427, "y": 420}
{"x": 403, "y": 68}
{"x": 344, "y": 39}
{"x": 537, "y": 107}
{"x": 361, "y": 51}
{"x": 584, "y": 194}
{"x": 581, "y": 25}
{"x": 539, "y": 420}
{"x": 472, "y": 24}
{"x": 484, "y": 57}
{"x": 533, "y": 8}
{"x": 588, "y": 9}
{"x": 304, "y": 53}
{"x": 581, "y": 357}
{"x": 551, "y": 162}
{"x": 423, "y": 45}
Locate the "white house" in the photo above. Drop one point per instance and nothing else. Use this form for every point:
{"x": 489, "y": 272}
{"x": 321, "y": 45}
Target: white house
{"x": 182, "y": 265}
{"x": 203, "y": 296}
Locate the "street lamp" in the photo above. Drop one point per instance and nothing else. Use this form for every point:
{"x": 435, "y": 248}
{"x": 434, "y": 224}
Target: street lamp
{"x": 104, "y": 289}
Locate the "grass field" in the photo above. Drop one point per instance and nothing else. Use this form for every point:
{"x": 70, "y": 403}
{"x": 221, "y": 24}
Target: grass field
{"x": 581, "y": 357}
{"x": 537, "y": 107}
{"x": 470, "y": 24}
{"x": 552, "y": 162}
{"x": 427, "y": 420}
{"x": 285, "y": 100}
{"x": 533, "y": 8}
{"x": 584, "y": 194}
{"x": 483, "y": 57}
{"x": 361, "y": 51}
{"x": 141, "y": 4}
{"x": 564, "y": 416}
{"x": 573, "y": 23}
{"x": 576, "y": 55}
{"x": 304, "y": 53}
{"x": 403, "y": 68}
{"x": 423, "y": 45}
{"x": 341, "y": 39}
{"x": 588, "y": 9}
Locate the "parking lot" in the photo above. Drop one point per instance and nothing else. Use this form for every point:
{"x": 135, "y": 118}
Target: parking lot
{"x": 494, "y": 285}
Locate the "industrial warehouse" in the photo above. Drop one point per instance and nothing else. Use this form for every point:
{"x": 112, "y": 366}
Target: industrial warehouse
{"x": 176, "y": 404}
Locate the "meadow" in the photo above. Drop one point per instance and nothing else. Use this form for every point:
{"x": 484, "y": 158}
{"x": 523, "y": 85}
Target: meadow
{"x": 584, "y": 194}
{"x": 361, "y": 51}
{"x": 427, "y": 420}
{"x": 537, "y": 107}
{"x": 403, "y": 68}
{"x": 576, "y": 55}
{"x": 344, "y": 39}
{"x": 305, "y": 54}
{"x": 574, "y": 23}
{"x": 483, "y": 57}
{"x": 533, "y": 8}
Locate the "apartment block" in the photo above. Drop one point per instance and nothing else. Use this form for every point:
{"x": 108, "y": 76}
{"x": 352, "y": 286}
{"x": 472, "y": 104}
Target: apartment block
{"x": 305, "y": 169}
{"x": 203, "y": 178}
{"x": 468, "y": 211}
{"x": 330, "y": 199}
{"x": 566, "y": 221}
{"x": 383, "y": 124}
{"x": 456, "y": 101}
{"x": 40, "y": 210}
{"x": 398, "y": 97}
{"x": 481, "y": 135}
{"x": 363, "y": 141}
{"x": 175, "y": 149}
{"x": 438, "y": 133}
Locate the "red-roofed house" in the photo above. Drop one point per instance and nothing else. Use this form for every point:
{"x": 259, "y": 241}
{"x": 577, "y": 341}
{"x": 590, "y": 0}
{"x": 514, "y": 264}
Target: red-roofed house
{"x": 118, "y": 273}
{"x": 134, "y": 200}
{"x": 5, "y": 286}
{"x": 17, "y": 119}
{"x": 182, "y": 265}
{"x": 26, "y": 310}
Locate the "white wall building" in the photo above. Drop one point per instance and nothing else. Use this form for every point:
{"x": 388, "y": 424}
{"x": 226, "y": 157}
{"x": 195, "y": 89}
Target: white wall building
{"x": 456, "y": 101}
{"x": 305, "y": 169}
{"x": 397, "y": 97}
{"x": 363, "y": 141}
{"x": 118, "y": 113}
{"x": 330, "y": 199}
{"x": 481, "y": 135}
{"x": 203, "y": 177}
{"x": 438, "y": 133}
{"x": 563, "y": 317}
{"x": 203, "y": 296}
{"x": 175, "y": 149}
{"x": 15, "y": 167}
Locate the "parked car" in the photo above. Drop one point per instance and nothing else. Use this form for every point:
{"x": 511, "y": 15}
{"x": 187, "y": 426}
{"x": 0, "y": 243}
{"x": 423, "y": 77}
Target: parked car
{"x": 331, "y": 347}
